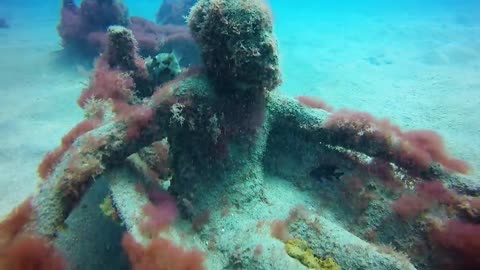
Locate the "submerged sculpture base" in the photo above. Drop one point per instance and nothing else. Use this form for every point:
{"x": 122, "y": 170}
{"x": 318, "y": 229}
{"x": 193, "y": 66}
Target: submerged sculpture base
{"x": 233, "y": 237}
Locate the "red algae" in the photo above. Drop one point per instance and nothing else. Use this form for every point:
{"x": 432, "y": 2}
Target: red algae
{"x": 436, "y": 191}
{"x": 160, "y": 213}
{"x": 258, "y": 251}
{"x": 279, "y": 230}
{"x": 428, "y": 146}
{"x": 49, "y": 162}
{"x": 410, "y": 206}
{"x": 415, "y": 150}
{"x": 315, "y": 103}
{"x": 461, "y": 240}
{"x": 108, "y": 83}
{"x": 51, "y": 159}
{"x": 15, "y": 222}
{"x": 80, "y": 129}
{"x": 426, "y": 195}
{"x": 20, "y": 249}
{"x": 32, "y": 253}
{"x": 161, "y": 254}
{"x": 137, "y": 117}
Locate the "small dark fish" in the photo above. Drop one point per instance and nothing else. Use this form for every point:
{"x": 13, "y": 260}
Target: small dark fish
{"x": 3, "y": 23}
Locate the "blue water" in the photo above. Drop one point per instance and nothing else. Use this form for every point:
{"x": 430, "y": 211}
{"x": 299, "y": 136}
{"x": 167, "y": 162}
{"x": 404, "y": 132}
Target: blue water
{"x": 414, "y": 62}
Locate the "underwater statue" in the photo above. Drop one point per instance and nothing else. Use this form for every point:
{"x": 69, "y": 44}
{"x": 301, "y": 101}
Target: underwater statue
{"x": 214, "y": 170}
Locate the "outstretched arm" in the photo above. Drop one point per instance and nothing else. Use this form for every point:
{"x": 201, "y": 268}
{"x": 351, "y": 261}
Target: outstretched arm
{"x": 414, "y": 151}
{"x": 92, "y": 153}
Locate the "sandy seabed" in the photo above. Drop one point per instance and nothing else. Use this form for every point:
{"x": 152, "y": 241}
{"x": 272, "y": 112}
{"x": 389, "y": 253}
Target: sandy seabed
{"x": 422, "y": 71}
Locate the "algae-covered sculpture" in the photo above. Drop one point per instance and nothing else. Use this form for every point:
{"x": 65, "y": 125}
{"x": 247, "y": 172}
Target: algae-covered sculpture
{"x": 82, "y": 27}
{"x": 83, "y": 30}
{"x": 215, "y": 170}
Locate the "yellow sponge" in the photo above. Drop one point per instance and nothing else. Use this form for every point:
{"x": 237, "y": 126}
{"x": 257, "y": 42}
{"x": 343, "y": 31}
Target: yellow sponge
{"x": 298, "y": 249}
